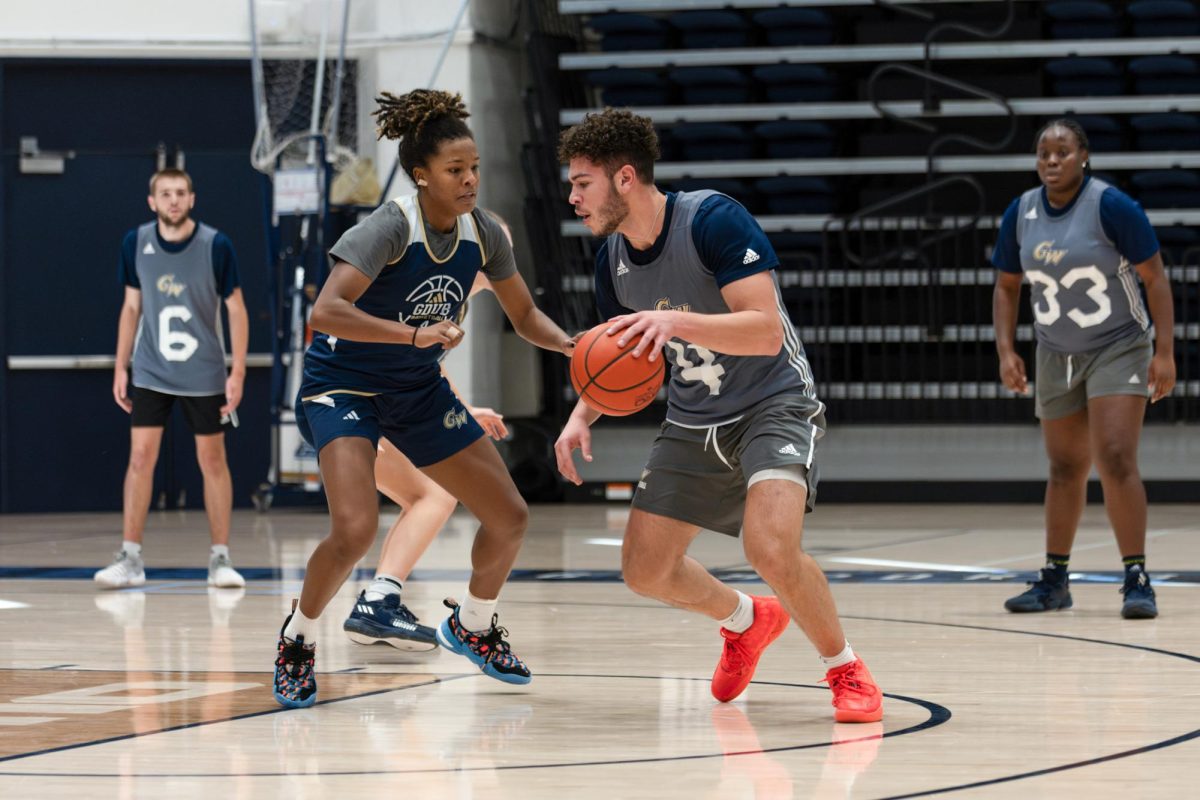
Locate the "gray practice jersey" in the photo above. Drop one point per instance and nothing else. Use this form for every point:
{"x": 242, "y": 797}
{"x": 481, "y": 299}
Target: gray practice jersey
{"x": 1085, "y": 293}
{"x": 180, "y": 347}
{"x": 707, "y": 387}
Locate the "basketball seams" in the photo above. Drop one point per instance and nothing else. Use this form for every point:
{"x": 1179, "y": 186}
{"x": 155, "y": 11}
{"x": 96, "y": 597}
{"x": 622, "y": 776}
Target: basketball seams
{"x": 588, "y": 383}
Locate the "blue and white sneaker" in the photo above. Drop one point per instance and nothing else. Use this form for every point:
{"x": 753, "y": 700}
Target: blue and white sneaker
{"x": 488, "y": 650}
{"x": 389, "y": 621}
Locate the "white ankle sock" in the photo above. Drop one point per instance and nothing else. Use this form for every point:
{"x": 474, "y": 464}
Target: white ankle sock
{"x": 742, "y": 616}
{"x": 475, "y": 614}
{"x": 381, "y": 587}
{"x": 841, "y": 659}
{"x": 220, "y": 550}
{"x": 301, "y": 625}
{"x": 132, "y": 548}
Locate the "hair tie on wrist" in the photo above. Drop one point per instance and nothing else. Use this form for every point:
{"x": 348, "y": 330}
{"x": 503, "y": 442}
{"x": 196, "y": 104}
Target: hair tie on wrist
{"x": 414, "y": 341}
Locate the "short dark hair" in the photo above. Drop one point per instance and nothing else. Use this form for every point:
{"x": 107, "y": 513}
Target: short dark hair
{"x": 1064, "y": 122}
{"x": 613, "y": 138}
{"x": 171, "y": 172}
{"x": 421, "y": 120}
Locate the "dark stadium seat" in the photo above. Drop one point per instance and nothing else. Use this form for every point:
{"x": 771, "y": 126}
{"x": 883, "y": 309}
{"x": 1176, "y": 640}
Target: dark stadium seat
{"x": 631, "y": 32}
{"x": 713, "y": 141}
{"x": 796, "y": 194}
{"x": 711, "y": 29}
{"x": 788, "y": 138}
{"x": 796, "y": 83}
{"x": 1082, "y": 20}
{"x": 1166, "y": 188}
{"x": 1164, "y": 18}
{"x": 707, "y": 85}
{"x": 1105, "y": 134}
{"x": 790, "y": 27}
{"x": 1165, "y": 75}
{"x": 1069, "y": 77}
{"x": 1172, "y": 131}
{"x": 630, "y": 87}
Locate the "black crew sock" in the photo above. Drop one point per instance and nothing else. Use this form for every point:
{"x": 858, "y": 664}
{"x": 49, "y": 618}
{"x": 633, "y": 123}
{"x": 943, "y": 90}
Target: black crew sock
{"x": 1056, "y": 567}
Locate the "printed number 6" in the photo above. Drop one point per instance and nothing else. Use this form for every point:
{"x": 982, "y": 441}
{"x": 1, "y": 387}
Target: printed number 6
{"x": 175, "y": 345}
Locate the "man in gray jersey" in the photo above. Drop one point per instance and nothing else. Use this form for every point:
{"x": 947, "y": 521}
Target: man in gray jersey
{"x": 692, "y": 276}
{"x": 176, "y": 272}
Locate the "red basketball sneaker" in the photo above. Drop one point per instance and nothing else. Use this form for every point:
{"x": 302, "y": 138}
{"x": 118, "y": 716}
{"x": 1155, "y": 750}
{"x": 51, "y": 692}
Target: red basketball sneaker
{"x": 856, "y": 698}
{"x": 742, "y": 650}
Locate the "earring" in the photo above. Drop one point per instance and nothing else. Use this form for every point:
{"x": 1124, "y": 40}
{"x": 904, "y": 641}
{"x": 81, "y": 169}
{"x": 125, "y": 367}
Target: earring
{"x": 422, "y": 182}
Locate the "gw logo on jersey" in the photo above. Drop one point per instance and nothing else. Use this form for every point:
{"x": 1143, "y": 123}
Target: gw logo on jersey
{"x": 1046, "y": 254}
{"x": 167, "y": 285}
{"x": 434, "y": 299}
{"x": 454, "y": 419}
{"x": 664, "y": 304}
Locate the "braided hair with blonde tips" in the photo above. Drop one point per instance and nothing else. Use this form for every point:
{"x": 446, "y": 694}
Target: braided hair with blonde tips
{"x": 421, "y": 119}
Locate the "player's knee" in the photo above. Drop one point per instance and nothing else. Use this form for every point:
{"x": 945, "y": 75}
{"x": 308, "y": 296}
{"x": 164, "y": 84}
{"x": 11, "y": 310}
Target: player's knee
{"x": 142, "y": 459}
{"x": 352, "y": 534}
{"x": 642, "y": 575}
{"x": 1116, "y": 461}
{"x": 772, "y": 556}
{"x": 1068, "y": 471}
{"x": 511, "y": 518}
{"x": 212, "y": 462}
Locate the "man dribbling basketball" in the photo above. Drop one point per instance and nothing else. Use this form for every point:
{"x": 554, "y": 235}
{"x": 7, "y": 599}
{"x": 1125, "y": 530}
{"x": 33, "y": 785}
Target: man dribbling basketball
{"x": 692, "y": 275}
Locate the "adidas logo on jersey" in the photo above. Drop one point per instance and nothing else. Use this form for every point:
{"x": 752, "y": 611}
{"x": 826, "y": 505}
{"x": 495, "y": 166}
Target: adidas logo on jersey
{"x": 622, "y": 269}
{"x": 1134, "y": 379}
{"x": 750, "y": 256}
{"x": 148, "y": 249}
{"x": 789, "y": 450}
{"x": 1031, "y": 213}
{"x": 352, "y": 416}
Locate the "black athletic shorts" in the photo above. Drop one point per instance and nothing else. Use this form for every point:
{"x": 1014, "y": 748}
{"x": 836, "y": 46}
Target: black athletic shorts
{"x": 152, "y": 409}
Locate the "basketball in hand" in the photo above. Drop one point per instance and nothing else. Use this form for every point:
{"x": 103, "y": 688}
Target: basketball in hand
{"x": 609, "y": 379}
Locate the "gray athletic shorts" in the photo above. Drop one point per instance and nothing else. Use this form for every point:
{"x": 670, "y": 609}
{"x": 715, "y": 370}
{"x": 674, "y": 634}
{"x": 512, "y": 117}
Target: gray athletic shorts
{"x": 1066, "y": 381}
{"x": 701, "y": 475}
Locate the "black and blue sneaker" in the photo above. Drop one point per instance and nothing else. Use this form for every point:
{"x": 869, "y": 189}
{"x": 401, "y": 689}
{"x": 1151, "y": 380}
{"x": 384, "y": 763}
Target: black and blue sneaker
{"x": 1139, "y": 596}
{"x": 1044, "y": 594}
{"x": 295, "y": 675}
{"x": 389, "y": 621}
{"x": 487, "y": 649}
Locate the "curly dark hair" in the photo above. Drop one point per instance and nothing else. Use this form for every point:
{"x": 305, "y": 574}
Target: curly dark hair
{"x": 421, "y": 120}
{"x": 613, "y": 138}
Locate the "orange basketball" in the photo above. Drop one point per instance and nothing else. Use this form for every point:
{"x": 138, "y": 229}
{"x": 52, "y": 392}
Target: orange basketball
{"x": 609, "y": 379}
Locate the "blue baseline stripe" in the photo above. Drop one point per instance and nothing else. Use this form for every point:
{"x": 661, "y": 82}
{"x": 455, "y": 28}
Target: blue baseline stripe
{"x": 601, "y": 575}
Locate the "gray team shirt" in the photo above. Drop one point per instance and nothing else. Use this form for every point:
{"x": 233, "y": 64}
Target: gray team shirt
{"x": 707, "y": 387}
{"x": 383, "y": 237}
{"x": 1085, "y": 293}
{"x": 180, "y": 346}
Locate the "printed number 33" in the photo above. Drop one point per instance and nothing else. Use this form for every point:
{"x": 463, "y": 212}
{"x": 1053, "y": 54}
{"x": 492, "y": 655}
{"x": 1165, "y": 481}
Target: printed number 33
{"x": 706, "y": 371}
{"x": 1049, "y": 310}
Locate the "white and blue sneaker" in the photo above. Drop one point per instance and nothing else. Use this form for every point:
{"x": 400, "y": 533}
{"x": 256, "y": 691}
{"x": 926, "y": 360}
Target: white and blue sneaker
{"x": 486, "y": 649}
{"x": 388, "y": 621}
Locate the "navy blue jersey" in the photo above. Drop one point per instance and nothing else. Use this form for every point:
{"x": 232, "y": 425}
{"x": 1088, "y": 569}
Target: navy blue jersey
{"x": 420, "y": 277}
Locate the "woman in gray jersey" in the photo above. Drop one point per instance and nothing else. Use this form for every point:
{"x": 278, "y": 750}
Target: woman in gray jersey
{"x": 692, "y": 275}
{"x": 1082, "y": 244}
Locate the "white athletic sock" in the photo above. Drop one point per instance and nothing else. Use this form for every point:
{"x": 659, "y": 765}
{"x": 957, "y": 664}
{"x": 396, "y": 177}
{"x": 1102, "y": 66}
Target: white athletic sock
{"x": 742, "y": 617}
{"x": 475, "y": 614}
{"x": 841, "y": 659}
{"x": 381, "y": 587}
{"x": 220, "y": 550}
{"x": 301, "y": 625}
{"x": 132, "y": 548}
